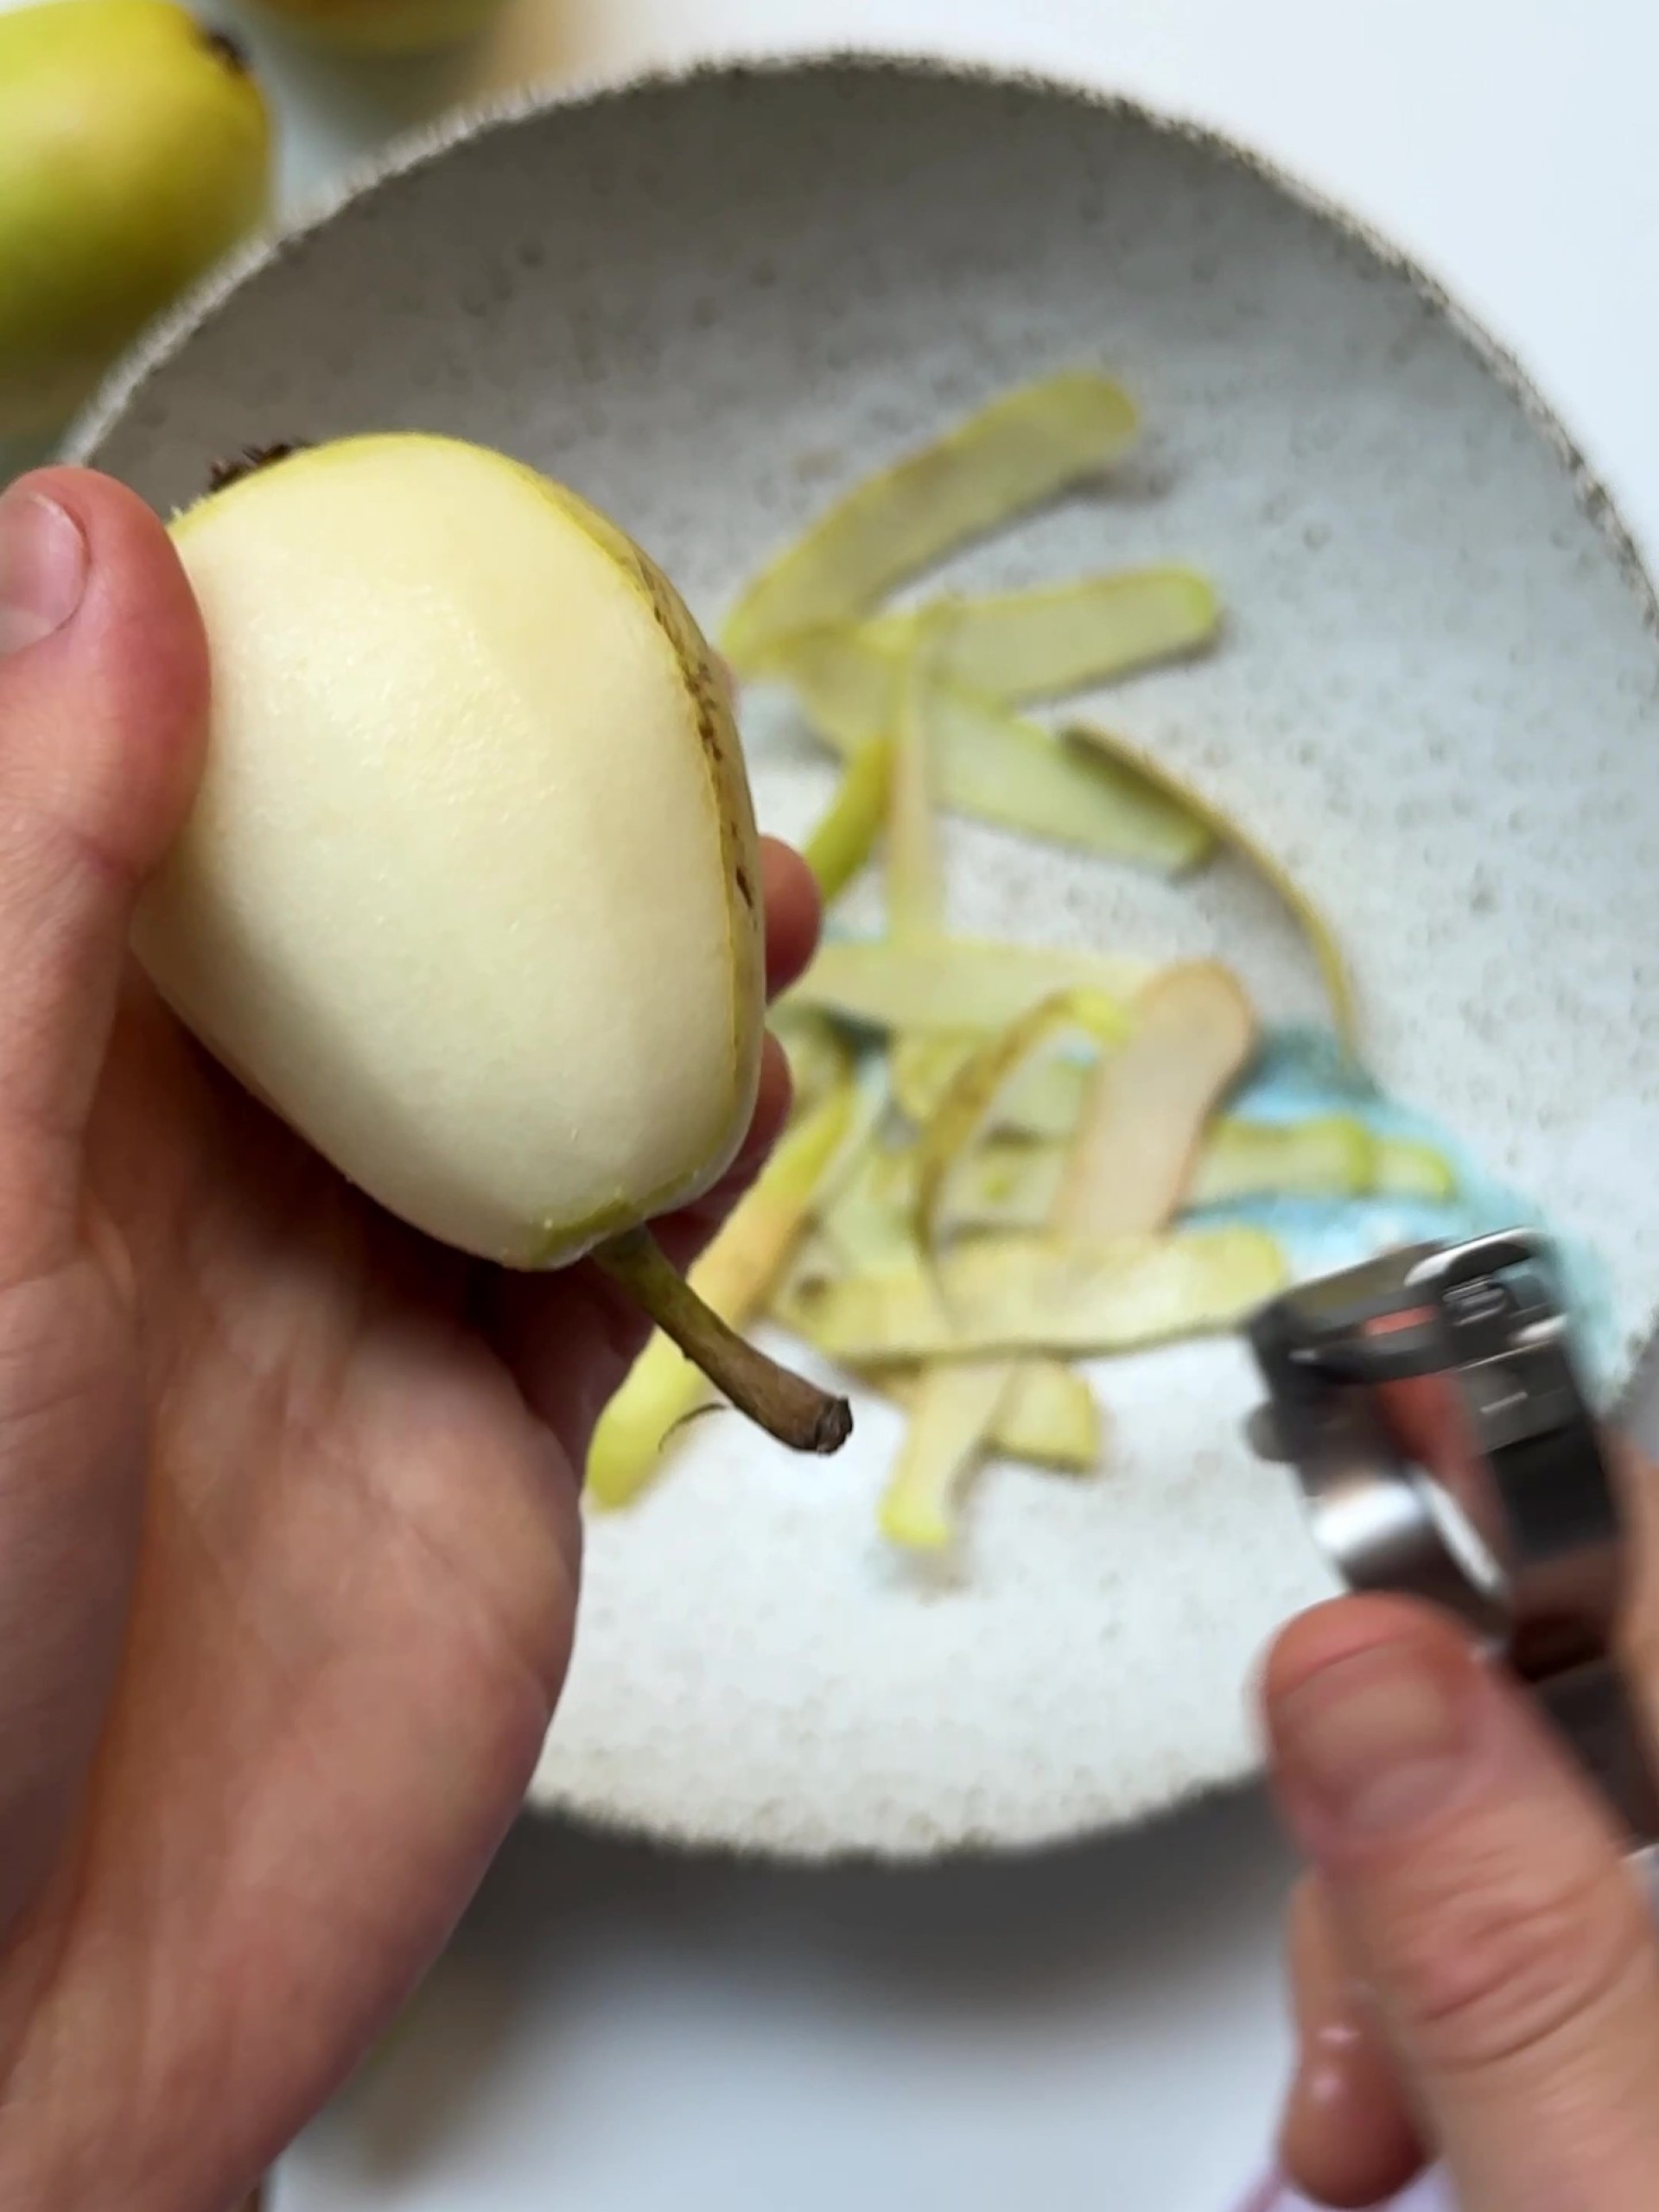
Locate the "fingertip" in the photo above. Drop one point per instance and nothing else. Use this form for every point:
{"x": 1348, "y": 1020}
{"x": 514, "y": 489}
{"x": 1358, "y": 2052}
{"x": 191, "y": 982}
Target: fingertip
{"x": 774, "y": 1095}
{"x": 1345, "y": 2138}
{"x": 1342, "y": 2154}
{"x": 792, "y": 914}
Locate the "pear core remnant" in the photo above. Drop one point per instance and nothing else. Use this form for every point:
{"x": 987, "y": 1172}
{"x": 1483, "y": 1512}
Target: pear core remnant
{"x": 135, "y": 150}
{"x": 470, "y": 893}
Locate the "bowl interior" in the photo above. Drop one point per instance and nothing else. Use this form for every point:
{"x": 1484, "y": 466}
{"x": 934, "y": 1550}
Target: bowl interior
{"x": 711, "y": 303}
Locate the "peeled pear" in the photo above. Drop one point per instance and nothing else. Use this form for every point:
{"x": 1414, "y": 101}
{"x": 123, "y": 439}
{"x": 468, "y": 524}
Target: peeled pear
{"x": 135, "y": 150}
{"x": 471, "y": 894}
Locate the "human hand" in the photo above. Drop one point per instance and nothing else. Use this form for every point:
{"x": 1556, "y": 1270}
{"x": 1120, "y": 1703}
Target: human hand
{"x": 288, "y": 1531}
{"x": 1476, "y": 1972}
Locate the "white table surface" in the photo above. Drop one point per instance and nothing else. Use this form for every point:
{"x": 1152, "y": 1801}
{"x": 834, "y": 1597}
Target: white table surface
{"x": 616, "y": 2032}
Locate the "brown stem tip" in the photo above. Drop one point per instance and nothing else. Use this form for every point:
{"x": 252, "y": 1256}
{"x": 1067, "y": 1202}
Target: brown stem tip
{"x": 250, "y": 462}
{"x": 786, "y": 1405}
{"x": 230, "y": 51}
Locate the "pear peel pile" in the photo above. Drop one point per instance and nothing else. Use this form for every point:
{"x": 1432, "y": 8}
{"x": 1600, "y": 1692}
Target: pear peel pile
{"x": 957, "y": 1215}
{"x": 469, "y": 894}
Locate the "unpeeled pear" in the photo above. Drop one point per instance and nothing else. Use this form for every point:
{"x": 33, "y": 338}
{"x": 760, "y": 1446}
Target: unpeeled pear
{"x": 134, "y": 151}
{"x": 470, "y": 893}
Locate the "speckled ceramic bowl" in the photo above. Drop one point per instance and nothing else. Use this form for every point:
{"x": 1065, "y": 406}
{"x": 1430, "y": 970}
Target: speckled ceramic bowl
{"x": 712, "y": 302}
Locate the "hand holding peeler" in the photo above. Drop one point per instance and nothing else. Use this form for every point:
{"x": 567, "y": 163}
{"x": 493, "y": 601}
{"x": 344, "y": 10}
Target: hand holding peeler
{"x": 1517, "y": 1527}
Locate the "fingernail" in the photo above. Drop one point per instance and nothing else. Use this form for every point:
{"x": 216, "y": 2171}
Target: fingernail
{"x": 43, "y": 563}
{"x": 1377, "y": 1740}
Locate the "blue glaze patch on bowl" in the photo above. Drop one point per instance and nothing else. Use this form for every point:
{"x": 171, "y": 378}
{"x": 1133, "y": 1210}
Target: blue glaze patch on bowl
{"x": 1302, "y": 1073}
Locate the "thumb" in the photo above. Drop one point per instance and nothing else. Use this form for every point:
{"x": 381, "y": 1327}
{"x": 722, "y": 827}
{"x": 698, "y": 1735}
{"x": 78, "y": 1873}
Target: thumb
{"x": 1480, "y": 1893}
{"x": 102, "y": 707}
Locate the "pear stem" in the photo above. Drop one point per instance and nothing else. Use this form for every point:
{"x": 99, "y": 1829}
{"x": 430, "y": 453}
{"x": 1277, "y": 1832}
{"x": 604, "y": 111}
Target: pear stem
{"x": 786, "y": 1405}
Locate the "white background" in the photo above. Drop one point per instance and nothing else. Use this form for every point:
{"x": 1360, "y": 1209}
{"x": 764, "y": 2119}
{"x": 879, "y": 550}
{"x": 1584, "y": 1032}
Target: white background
{"x": 614, "y": 2032}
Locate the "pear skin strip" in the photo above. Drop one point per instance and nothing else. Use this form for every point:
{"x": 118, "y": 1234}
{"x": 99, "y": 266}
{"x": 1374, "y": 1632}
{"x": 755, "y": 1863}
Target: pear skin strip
{"x": 1406, "y": 1167}
{"x": 942, "y": 1443}
{"x": 1050, "y": 1417}
{"x": 970, "y": 1099}
{"x": 1011, "y": 1182}
{"x": 915, "y": 868}
{"x": 1020, "y": 450}
{"x": 993, "y": 763}
{"x": 955, "y": 1411}
{"x": 957, "y": 984}
{"x": 1020, "y": 645}
{"x": 1322, "y": 942}
{"x": 865, "y": 1221}
{"x": 839, "y": 847}
{"x": 1040, "y": 1293}
{"x": 1149, "y": 1102}
{"x": 1326, "y": 1156}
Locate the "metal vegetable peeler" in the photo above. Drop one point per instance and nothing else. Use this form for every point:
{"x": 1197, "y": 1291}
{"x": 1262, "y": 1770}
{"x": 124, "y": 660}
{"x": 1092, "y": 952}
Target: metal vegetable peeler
{"x": 1518, "y": 1531}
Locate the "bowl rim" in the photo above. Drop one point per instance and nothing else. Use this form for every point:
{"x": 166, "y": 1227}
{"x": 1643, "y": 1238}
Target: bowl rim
{"x": 410, "y": 151}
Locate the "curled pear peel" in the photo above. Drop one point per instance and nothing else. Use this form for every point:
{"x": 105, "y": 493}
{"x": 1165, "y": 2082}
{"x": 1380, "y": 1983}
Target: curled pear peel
{"x": 469, "y": 894}
{"x": 915, "y": 864}
{"x": 1042, "y": 1293}
{"x": 1327, "y": 1155}
{"x": 134, "y": 150}
{"x": 1009, "y": 647}
{"x": 845, "y": 835}
{"x": 993, "y": 763}
{"x": 1049, "y": 1417}
{"x": 1149, "y": 1102}
{"x": 949, "y": 1412}
{"x": 1321, "y": 939}
{"x": 955, "y": 1411}
{"x": 865, "y": 1221}
{"x": 971, "y": 1098}
{"x": 1046, "y": 643}
{"x": 952, "y": 985}
{"x": 959, "y": 1405}
{"x": 924, "y": 1064}
{"x": 1013, "y": 1181}
{"x": 1018, "y": 450}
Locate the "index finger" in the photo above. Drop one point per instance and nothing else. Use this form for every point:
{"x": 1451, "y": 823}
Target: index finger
{"x": 791, "y": 907}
